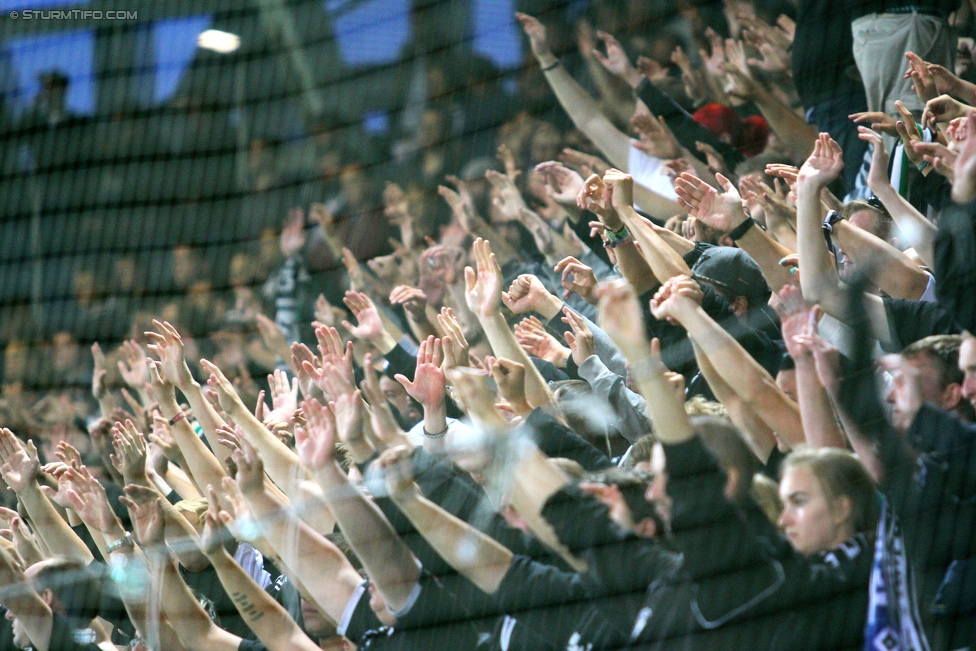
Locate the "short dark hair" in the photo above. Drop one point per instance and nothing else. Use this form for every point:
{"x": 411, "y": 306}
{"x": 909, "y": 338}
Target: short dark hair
{"x": 723, "y": 439}
{"x": 77, "y": 588}
{"x": 882, "y": 220}
{"x": 944, "y": 351}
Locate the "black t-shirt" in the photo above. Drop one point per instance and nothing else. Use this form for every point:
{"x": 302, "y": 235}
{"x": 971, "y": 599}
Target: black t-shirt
{"x": 251, "y": 645}
{"x": 955, "y": 264}
{"x": 909, "y": 321}
{"x": 437, "y": 620}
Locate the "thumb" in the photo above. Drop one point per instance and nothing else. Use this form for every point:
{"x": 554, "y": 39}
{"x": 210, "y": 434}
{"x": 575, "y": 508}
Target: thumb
{"x": 724, "y": 182}
{"x": 404, "y": 380}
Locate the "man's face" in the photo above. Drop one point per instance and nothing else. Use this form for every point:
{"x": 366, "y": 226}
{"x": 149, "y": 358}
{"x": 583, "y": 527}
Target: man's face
{"x": 317, "y": 625}
{"x": 21, "y": 641}
{"x": 914, "y": 381}
{"x": 397, "y": 396}
{"x": 967, "y": 364}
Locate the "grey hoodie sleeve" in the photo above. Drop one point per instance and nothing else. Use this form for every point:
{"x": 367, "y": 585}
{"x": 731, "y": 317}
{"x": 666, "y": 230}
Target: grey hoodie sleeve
{"x": 628, "y": 407}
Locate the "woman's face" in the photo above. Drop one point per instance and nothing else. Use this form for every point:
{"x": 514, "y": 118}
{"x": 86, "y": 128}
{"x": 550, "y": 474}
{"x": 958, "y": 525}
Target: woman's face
{"x": 810, "y": 523}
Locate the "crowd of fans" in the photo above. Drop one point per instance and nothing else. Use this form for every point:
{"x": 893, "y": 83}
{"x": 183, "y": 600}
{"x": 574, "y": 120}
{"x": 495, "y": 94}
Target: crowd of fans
{"x": 685, "y": 363}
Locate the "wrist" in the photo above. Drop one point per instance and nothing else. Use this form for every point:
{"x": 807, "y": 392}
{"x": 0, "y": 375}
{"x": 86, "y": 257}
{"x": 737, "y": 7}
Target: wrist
{"x": 549, "y": 307}
{"x": 633, "y": 77}
{"x": 384, "y": 342}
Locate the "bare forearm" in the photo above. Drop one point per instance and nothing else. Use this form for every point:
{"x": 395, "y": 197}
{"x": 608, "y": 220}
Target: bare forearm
{"x": 918, "y": 231}
{"x": 890, "y": 269}
{"x": 387, "y": 560}
{"x": 767, "y": 253}
{"x": 634, "y": 268}
{"x": 820, "y": 426}
{"x": 797, "y": 136}
{"x": 307, "y": 553}
{"x": 280, "y": 462}
{"x": 743, "y": 373}
{"x": 209, "y": 420}
{"x": 504, "y": 344}
{"x": 655, "y": 204}
{"x": 758, "y": 435}
{"x": 479, "y": 558}
{"x": 201, "y": 463}
{"x": 262, "y": 614}
{"x": 664, "y": 261}
{"x": 58, "y": 536}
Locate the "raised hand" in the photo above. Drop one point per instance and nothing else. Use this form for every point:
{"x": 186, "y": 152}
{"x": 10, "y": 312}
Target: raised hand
{"x": 596, "y": 198}
{"x": 577, "y": 278}
{"x": 250, "y": 469}
{"x": 676, "y": 291}
{"x": 562, "y": 183}
{"x": 130, "y": 452}
{"x": 68, "y": 454}
{"x": 427, "y": 386}
{"x": 132, "y": 366}
{"x": 877, "y": 121}
{"x": 146, "y": 514}
{"x": 964, "y": 185}
{"x": 316, "y": 441}
{"x": 334, "y": 351}
{"x": 99, "y": 390}
{"x": 616, "y": 61}
{"x": 454, "y": 344}
{"x": 168, "y": 346}
{"x": 227, "y": 395}
{"x": 369, "y": 326}
{"x": 510, "y": 378}
{"x": 536, "y": 33}
{"x": 397, "y": 466}
{"x": 620, "y": 186}
{"x": 483, "y": 288}
{"x": 526, "y": 294}
{"x": 535, "y": 340}
{"x": 656, "y": 138}
{"x": 87, "y": 497}
{"x": 19, "y": 464}
{"x": 923, "y": 82}
{"x": 824, "y": 165}
{"x": 621, "y": 318}
{"x": 797, "y": 317}
{"x": 943, "y": 109}
{"x": 722, "y": 212}
{"x": 413, "y": 300}
{"x": 579, "y": 338}
{"x": 284, "y": 398}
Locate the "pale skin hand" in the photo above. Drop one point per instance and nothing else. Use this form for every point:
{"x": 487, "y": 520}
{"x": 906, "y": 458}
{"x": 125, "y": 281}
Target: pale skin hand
{"x": 20, "y": 466}
{"x": 132, "y": 366}
{"x": 315, "y": 442}
{"x": 510, "y": 378}
{"x": 454, "y": 343}
{"x": 130, "y": 453}
{"x": 369, "y": 325}
{"x": 577, "y": 278}
{"x": 621, "y": 318}
{"x": 580, "y": 338}
{"x": 562, "y": 183}
{"x": 427, "y": 386}
{"x": 168, "y": 346}
{"x": 483, "y": 291}
{"x": 722, "y": 212}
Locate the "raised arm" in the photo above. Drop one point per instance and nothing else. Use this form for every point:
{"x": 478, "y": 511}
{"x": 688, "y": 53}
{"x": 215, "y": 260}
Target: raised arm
{"x": 168, "y": 345}
{"x": 724, "y": 212}
{"x": 306, "y": 552}
{"x": 818, "y": 276}
{"x": 195, "y": 629}
{"x": 388, "y": 561}
{"x": 201, "y": 463}
{"x": 483, "y": 293}
{"x": 283, "y": 465}
{"x": 820, "y": 426}
{"x": 678, "y": 300}
{"x": 20, "y": 471}
{"x": 918, "y": 231}
{"x": 621, "y": 317}
{"x": 473, "y": 554}
{"x": 265, "y": 616}
{"x": 663, "y": 260}
{"x": 583, "y": 110}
